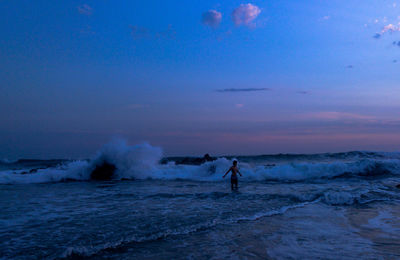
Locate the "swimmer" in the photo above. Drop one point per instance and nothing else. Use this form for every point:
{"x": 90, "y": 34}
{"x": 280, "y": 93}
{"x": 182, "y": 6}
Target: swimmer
{"x": 234, "y": 178}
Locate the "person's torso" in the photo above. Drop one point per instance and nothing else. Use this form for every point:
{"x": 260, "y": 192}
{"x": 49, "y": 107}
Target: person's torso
{"x": 234, "y": 172}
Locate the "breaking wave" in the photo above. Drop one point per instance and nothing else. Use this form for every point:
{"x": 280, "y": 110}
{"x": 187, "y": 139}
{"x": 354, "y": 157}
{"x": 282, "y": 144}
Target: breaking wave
{"x": 142, "y": 161}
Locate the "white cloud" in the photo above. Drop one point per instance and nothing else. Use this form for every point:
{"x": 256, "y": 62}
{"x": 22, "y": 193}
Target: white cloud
{"x": 245, "y": 14}
{"x": 212, "y": 18}
{"x": 242, "y": 89}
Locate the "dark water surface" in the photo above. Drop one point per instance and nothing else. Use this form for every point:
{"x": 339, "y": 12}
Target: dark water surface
{"x": 160, "y": 219}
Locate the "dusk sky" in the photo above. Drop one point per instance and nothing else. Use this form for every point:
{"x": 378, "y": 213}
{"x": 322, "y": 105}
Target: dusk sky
{"x": 196, "y": 77}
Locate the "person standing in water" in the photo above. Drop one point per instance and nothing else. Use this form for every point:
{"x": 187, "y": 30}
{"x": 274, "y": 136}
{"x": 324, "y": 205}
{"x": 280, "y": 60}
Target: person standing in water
{"x": 234, "y": 178}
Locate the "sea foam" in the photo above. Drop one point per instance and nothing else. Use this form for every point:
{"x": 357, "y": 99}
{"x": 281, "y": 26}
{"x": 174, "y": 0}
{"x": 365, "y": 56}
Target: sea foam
{"x": 142, "y": 161}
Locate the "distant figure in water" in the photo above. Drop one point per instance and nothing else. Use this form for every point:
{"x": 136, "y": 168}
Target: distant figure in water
{"x": 234, "y": 177}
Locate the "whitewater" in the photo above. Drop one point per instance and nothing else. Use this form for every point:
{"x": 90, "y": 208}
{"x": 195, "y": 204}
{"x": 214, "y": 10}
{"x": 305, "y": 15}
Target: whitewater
{"x": 289, "y": 206}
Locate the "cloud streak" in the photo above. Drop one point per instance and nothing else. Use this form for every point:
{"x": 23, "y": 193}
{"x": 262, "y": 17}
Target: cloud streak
{"x": 85, "y": 9}
{"x": 333, "y": 115}
{"x": 242, "y": 89}
{"x": 211, "y": 18}
{"x": 245, "y": 14}
{"x": 303, "y": 92}
{"x": 140, "y": 33}
{"x": 377, "y": 36}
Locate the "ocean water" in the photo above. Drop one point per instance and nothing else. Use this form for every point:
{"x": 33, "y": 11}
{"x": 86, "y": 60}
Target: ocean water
{"x": 327, "y": 206}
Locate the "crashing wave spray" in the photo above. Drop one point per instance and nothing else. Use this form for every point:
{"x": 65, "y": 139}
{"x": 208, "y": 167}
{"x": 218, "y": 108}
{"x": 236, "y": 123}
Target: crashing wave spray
{"x": 120, "y": 161}
{"x": 131, "y": 162}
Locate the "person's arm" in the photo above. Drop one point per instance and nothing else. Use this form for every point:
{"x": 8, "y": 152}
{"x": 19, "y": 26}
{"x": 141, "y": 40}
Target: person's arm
{"x": 240, "y": 173}
{"x": 227, "y": 172}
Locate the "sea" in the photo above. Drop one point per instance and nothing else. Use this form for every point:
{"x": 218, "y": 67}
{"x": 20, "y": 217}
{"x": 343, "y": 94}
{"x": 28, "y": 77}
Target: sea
{"x": 288, "y": 206}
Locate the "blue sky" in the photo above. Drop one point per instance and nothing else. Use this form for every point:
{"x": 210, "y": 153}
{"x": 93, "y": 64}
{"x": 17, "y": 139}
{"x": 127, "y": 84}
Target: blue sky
{"x": 199, "y": 77}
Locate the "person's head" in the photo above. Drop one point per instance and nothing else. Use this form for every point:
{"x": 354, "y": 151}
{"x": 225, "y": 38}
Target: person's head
{"x": 234, "y": 163}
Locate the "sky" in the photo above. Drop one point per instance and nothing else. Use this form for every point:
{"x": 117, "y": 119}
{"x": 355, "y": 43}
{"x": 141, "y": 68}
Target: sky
{"x": 200, "y": 76}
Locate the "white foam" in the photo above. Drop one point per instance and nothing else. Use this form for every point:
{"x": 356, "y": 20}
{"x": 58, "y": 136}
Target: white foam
{"x": 73, "y": 171}
{"x": 142, "y": 162}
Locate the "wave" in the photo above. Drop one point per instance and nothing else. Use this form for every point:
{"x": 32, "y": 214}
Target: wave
{"x": 7, "y": 161}
{"x": 279, "y": 158}
{"x": 143, "y": 161}
{"x": 328, "y": 197}
{"x": 73, "y": 252}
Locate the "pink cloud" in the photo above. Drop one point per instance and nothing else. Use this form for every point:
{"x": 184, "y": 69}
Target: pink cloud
{"x": 390, "y": 28}
{"x": 245, "y": 14}
{"x": 331, "y": 115}
{"x": 212, "y": 18}
{"x": 239, "y": 105}
{"x": 282, "y": 142}
{"x": 85, "y": 9}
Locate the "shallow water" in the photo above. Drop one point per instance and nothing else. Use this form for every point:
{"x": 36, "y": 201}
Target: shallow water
{"x": 326, "y": 206}
{"x": 341, "y": 218}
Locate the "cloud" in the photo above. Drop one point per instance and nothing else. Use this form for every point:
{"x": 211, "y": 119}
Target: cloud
{"x": 85, "y": 9}
{"x": 242, "y": 89}
{"x": 377, "y": 36}
{"x": 239, "y": 106}
{"x": 245, "y": 14}
{"x": 332, "y": 115}
{"x": 139, "y": 33}
{"x": 303, "y": 92}
{"x": 324, "y": 18}
{"x": 211, "y": 18}
{"x": 396, "y": 43}
{"x": 390, "y": 28}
